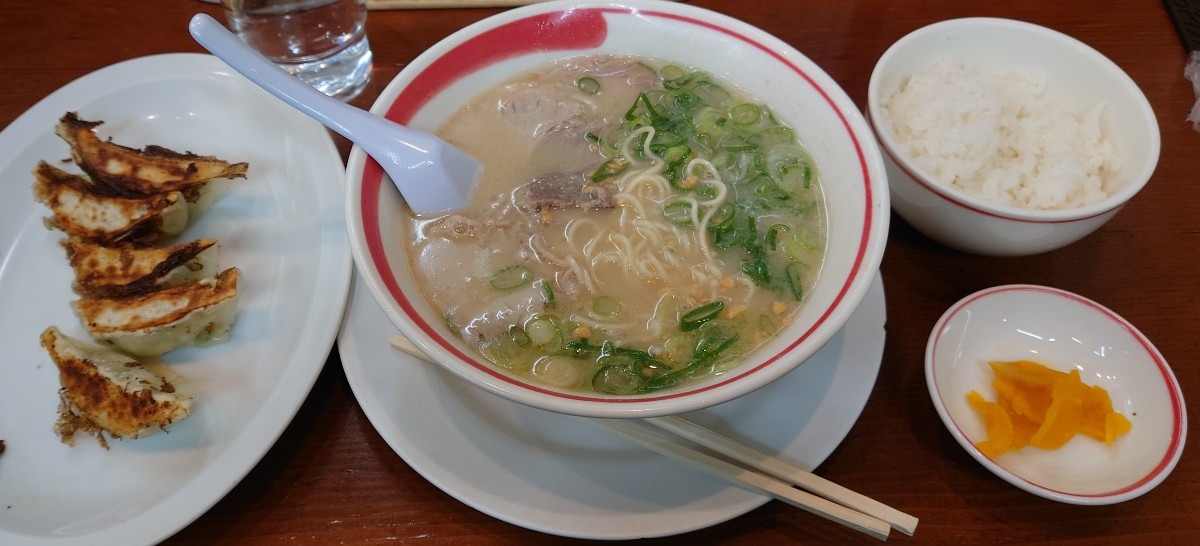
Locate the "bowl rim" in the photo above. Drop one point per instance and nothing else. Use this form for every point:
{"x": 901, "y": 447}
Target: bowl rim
{"x": 871, "y": 237}
{"x": 1178, "y": 434}
{"x": 958, "y": 198}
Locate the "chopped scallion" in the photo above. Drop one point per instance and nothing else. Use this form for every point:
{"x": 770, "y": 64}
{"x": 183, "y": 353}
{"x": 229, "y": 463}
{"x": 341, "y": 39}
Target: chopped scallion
{"x": 610, "y": 169}
{"x": 617, "y": 380}
{"x": 723, "y": 219}
{"x": 697, "y": 317}
{"x": 518, "y": 335}
{"x": 544, "y": 332}
{"x": 513, "y": 276}
{"x": 795, "y": 281}
{"x": 606, "y": 306}
{"x": 745, "y": 113}
{"x": 547, "y": 294}
{"x": 708, "y": 350}
{"x": 678, "y": 213}
{"x": 504, "y": 351}
{"x": 588, "y": 85}
{"x": 773, "y": 235}
{"x": 711, "y": 94}
{"x": 673, "y": 74}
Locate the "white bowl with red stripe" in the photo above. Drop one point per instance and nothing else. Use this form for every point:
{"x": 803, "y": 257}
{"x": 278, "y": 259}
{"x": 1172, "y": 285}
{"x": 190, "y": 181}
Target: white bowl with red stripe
{"x": 1064, "y": 331}
{"x": 827, "y": 122}
{"x": 1076, "y": 74}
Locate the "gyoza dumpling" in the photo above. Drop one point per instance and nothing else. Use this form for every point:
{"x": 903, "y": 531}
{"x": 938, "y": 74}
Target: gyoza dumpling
{"x": 83, "y": 210}
{"x": 150, "y": 324}
{"x": 123, "y": 270}
{"x": 103, "y": 390}
{"x": 151, "y": 170}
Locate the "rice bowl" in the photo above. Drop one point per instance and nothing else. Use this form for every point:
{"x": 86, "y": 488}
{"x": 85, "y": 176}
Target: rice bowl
{"x": 1075, "y": 74}
{"x": 995, "y": 136}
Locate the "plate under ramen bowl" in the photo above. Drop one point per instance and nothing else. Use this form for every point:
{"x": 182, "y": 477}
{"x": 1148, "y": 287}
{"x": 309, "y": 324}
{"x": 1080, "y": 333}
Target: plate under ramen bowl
{"x": 1063, "y": 331}
{"x": 429, "y": 89}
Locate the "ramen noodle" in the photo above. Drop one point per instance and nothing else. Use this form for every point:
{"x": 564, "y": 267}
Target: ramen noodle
{"x": 638, "y": 225}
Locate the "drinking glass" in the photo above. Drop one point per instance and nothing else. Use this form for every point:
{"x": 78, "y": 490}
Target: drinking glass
{"x": 323, "y": 42}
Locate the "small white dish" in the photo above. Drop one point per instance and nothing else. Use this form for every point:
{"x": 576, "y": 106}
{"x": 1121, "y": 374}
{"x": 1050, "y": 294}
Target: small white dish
{"x": 1063, "y": 331}
{"x": 555, "y": 474}
{"x": 282, "y": 227}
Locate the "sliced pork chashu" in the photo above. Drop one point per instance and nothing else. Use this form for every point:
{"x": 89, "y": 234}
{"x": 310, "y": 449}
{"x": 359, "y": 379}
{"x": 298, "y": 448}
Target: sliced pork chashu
{"x": 154, "y": 323}
{"x": 103, "y": 390}
{"x": 83, "y": 210}
{"x": 150, "y": 170}
{"x": 123, "y": 270}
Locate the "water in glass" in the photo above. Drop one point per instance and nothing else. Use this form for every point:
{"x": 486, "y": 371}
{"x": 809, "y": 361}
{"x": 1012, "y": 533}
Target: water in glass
{"x": 323, "y": 42}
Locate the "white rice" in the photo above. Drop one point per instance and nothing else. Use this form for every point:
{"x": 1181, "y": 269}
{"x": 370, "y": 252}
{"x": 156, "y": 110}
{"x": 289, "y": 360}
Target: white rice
{"x": 996, "y": 137}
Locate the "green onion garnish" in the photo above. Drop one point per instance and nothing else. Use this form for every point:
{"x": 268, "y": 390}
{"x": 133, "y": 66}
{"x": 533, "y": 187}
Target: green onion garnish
{"x": 511, "y": 277}
{"x": 696, "y": 317}
{"x": 588, "y": 85}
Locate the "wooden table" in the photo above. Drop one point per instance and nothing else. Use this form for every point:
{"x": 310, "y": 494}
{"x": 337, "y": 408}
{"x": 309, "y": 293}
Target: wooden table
{"x": 331, "y": 479}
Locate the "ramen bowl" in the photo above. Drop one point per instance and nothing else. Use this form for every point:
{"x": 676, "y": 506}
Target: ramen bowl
{"x": 1062, "y": 331}
{"x": 498, "y": 48}
{"x": 1077, "y": 78}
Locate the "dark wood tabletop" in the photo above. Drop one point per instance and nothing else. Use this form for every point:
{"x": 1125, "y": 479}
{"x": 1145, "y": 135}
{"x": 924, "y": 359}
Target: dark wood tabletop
{"x": 331, "y": 479}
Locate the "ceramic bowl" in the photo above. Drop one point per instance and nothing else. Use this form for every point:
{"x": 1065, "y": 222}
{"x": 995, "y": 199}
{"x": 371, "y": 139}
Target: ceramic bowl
{"x": 1063, "y": 331}
{"x": 1075, "y": 75}
{"x": 497, "y": 48}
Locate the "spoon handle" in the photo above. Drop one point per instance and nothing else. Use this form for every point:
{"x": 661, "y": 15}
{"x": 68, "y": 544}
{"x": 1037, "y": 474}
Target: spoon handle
{"x": 359, "y": 126}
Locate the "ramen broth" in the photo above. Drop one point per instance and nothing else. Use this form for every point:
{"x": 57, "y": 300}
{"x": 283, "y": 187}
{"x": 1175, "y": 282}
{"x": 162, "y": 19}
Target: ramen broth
{"x": 638, "y": 225}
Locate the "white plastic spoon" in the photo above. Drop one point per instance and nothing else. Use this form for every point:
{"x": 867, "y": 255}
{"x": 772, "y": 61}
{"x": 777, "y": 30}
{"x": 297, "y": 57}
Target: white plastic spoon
{"x": 432, "y": 175}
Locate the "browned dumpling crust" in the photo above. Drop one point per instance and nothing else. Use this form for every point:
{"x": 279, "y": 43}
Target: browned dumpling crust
{"x": 123, "y": 269}
{"x": 151, "y": 324}
{"x": 84, "y": 210}
{"x": 153, "y": 169}
{"x": 105, "y": 391}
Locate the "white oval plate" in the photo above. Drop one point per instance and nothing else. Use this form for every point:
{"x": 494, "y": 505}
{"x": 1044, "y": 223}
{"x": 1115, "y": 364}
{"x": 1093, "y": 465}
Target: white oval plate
{"x": 552, "y": 473}
{"x": 283, "y": 227}
{"x": 1060, "y": 330}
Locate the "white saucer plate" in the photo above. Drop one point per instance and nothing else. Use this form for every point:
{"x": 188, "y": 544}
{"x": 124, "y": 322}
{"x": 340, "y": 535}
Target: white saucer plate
{"x": 553, "y": 473}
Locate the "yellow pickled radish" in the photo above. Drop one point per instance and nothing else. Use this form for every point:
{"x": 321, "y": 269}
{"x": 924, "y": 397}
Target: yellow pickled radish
{"x": 1064, "y": 415}
{"x": 1115, "y": 425}
{"x": 999, "y": 425}
{"x": 1032, "y": 403}
{"x": 1026, "y": 373}
{"x": 1096, "y": 408}
{"x": 1005, "y": 388}
{"x": 1023, "y": 427}
{"x": 1036, "y": 405}
{"x": 1023, "y": 431}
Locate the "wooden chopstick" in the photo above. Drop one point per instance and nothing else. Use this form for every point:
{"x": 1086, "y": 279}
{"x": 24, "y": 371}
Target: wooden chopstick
{"x": 398, "y": 341}
{"x": 760, "y": 483}
{"x": 439, "y": 4}
{"x": 830, "y": 500}
{"x": 785, "y": 471}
